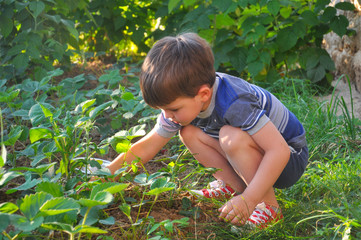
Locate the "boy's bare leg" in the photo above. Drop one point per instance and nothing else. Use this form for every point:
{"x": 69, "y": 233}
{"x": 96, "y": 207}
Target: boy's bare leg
{"x": 209, "y": 153}
{"x": 245, "y": 156}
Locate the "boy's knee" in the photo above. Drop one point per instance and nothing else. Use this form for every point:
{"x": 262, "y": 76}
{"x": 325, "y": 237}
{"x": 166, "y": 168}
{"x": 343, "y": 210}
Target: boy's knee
{"x": 186, "y": 132}
{"x": 232, "y": 137}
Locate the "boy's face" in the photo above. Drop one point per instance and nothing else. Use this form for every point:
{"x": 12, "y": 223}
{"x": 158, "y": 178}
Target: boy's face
{"x": 184, "y": 110}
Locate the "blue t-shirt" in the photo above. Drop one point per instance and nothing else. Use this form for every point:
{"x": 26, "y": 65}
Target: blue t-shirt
{"x": 240, "y": 104}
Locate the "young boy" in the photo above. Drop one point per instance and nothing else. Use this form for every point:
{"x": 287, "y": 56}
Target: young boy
{"x": 226, "y": 123}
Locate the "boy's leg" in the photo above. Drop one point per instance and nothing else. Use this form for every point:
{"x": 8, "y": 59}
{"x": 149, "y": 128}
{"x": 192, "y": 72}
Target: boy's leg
{"x": 245, "y": 156}
{"x": 209, "y": 153}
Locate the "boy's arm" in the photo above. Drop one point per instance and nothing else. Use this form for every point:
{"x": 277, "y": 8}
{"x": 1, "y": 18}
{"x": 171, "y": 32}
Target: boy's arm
{"x": 275, "y": 159}
{"x": 145, "y": 149}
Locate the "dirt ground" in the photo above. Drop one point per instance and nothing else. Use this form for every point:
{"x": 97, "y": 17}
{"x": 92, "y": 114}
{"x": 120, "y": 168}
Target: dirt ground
{"x": 352, "y": 98}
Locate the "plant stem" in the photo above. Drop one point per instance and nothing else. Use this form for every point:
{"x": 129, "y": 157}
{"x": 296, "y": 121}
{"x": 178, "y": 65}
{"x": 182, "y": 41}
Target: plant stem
{"x": 84, "y": 220}
{"x": 151, "y": 207}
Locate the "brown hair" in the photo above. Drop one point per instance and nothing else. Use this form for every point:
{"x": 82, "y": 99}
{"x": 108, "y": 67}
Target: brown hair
{"x": 176, "y": 67}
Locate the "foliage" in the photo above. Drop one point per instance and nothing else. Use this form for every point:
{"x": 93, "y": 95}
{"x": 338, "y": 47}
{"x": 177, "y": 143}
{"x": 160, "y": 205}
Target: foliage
{"x": 266, "y": 39}
{"x": 263, "y": 39}
{"x": 33, "y": 34}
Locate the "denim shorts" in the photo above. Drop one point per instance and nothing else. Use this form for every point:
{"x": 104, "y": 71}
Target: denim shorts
{"x": 294, "y": 169}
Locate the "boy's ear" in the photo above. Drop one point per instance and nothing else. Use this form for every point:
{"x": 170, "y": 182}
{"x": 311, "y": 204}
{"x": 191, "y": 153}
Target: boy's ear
{"x": 205, "y": 92}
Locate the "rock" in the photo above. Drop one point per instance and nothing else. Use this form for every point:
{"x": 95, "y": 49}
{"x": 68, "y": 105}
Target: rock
{"x": 346, "y": 51}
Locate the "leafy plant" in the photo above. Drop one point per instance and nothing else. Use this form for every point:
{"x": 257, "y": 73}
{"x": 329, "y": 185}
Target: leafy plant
{"x": 34, "y": 34}
{"x": 267, "y": 39}
{"x": 50, "y": 208}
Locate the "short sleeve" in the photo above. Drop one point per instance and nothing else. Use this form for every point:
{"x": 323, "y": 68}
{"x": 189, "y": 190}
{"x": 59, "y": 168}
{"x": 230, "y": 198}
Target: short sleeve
{"x": 165, "y": 127}
{"x": 247, "y": 114}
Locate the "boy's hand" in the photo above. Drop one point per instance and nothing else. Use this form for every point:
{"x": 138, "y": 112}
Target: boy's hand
{"x": 237, "y": 210}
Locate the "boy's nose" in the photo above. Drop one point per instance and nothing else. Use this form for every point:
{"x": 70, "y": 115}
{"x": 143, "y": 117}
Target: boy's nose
{"x": 168, "y": 114}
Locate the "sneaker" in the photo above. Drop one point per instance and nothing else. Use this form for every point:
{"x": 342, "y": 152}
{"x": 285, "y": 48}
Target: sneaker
{"x": 264, "y": 215}
{"x": 216, "y": 189}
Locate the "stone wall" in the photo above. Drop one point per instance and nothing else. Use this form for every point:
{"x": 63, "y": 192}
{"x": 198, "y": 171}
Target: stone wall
{"x": 346, "y": 51}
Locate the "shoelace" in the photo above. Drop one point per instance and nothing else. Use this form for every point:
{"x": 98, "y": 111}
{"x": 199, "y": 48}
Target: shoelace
{"x": 262, "y": 214}
{"x": 217, "y": 191}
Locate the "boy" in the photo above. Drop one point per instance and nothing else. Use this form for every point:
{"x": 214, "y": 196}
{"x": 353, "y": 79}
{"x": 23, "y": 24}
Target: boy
{"x": 226, "y": 123}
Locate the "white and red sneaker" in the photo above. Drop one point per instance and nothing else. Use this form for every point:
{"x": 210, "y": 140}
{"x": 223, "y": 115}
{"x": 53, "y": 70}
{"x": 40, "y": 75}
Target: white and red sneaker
{"x": 216, "y": 189}
{"x": 264, "y": 215}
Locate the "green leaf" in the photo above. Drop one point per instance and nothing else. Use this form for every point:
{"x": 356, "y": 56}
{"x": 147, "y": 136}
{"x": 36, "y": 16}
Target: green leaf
{"x": 30, "y": 183}
{"x": 101, "y": 198}
{"x": 265, "y": 57}
{"x": 168, "y": 225}
{"x": 328, "y": 14}
{"x": 82, "y": 107}
{"x": 253, "y": 55}
{"x": 128, "y": 96}
{"x": 36, "y": 8}
{"x": 111, "y": 187}
{"x": 6, "y": 26}
{"x": 299, "y": 29}
{"x": 8, "y": 207}
{"x": 255, "y": 67}
{"x": 55, "y": 189}
{"x": 327, "y": 62}
{"x": 238, "y": 58}
{"x": 26, "y": 225}
{"x": 222, "y": 5}
{"x": 3, "y": 157}
{"x": 31, "y": 204}
{"x": 312, "y": 62}
{"x": 107, "y": 221}
{"x": 4, "y": 221}
{"x": 36, "y": 113}
{"x": 59, "y": 205}
{"x": 39, "y": 133}
{"x": 172, "y": 4}
{"x": 316, "y": 74}
{"x": 273, "y": 7}
{"x": 9, "y": 97}
{"x": 88, "y": 229}
{"x": 58, "y": 226}
{"x": 46, "y": 111}
{"x": 136, "y": 131}
{"x": 141, "y": 179}
{"x": 310, "y": 18}
{"x": 119, "y": 22}
{"x": 286, "y": 39}
{"x": 347, "y": 6}
{"x": 161, "y": 185}
{"x": 99, "y": 109}
{"x": 339, "y": 25}
{"x": 6, "y": 177}
{"x": 13, "y": 136}
{"x": 39, "y": 169}
{"x": 224, "y": 20}
{"x": 157, "y": 191}
{"x": 21, "y": 61}
{"x": 125, "y": 208}
{"x": 122, "y": 146}
{"x": 286, "y": 12}
{"x": 71, "y": 28}
{"x": 155, "y": 227}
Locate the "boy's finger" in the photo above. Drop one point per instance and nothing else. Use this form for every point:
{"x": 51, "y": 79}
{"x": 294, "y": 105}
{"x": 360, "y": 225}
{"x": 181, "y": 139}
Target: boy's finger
{"x": 225, "y": 209}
